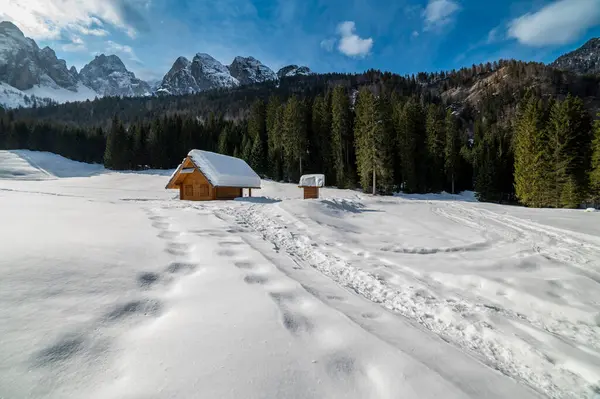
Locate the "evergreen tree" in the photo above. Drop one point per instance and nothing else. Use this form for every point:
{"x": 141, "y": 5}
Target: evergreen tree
{"x": 340, "y": 132}
{"x": 294, "y": 137}
{"x": 140, "y": 147}
{"x": 436, "y": 142}
{"x": 274, "y": 122}
{"x": 111, "y": 157}
{"x": 595, "y": 169}
{"x": 451, "y": 149}
{"x": 569, "y": 137}
{"x": 257, "y": 131}
{"x": 224, "y": 141}
{"x": 320, "y": 139}
{"x": 532, "y": 179}
{"x": 372, "y": 134}
{"x": 410, "y": 129}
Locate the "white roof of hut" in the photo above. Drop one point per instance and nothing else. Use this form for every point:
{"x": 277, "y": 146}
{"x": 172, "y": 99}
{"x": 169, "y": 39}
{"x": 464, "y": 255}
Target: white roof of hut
{"x": 222, "y": 170}
{"x": 312, "y": 181}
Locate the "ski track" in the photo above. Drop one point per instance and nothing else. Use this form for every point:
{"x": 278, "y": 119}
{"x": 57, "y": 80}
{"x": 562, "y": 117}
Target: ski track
{"x": 415, "y": 299}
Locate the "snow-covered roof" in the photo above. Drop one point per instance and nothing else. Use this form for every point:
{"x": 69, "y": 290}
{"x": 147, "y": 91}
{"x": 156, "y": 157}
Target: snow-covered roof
{"x": 224, "y": 171}
{"x": 312, "y": 181}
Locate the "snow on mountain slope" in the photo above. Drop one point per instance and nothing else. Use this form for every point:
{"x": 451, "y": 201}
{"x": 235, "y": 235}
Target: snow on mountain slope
{"x": 203, "y": 73}
{"x": 249, "y": 70}
{"x": 210, "y": 73}
{"x": 42, "y": 95}
{"x": 108, "y": 76}
{"x": 348, "y": 296}
{"x": 584, "y": 60}
{"x": 61, "y": 95}
{"x": 293, "y": 70}
{"x": 13, "y": 98}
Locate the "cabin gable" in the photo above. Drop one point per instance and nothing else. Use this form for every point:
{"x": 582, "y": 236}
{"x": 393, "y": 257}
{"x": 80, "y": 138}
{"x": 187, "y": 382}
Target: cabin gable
{"x": 196, "y": 187}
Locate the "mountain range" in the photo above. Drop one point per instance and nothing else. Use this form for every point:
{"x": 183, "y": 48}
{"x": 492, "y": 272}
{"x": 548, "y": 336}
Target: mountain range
{"x": 31, "y": 76}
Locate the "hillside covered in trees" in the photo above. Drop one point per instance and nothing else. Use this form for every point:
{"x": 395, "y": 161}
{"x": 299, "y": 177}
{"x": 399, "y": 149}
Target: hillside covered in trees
{"x": 512, "y": 131}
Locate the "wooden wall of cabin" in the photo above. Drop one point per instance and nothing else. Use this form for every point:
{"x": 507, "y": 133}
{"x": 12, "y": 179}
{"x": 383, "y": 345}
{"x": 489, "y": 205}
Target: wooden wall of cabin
{"x": 311, "y": 192}
{"x": 197, "y": 188}
{"x": 229, "y": 192}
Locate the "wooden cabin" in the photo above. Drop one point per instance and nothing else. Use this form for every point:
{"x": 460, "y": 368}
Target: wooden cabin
{"x": 311, "y": 185}
{"x": 206, "y": 176}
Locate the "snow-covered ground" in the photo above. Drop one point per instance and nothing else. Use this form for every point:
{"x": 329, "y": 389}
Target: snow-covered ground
{"x": 110, "y": 287}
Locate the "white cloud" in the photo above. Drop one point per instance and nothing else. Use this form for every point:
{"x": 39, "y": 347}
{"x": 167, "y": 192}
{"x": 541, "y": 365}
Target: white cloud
{"x": 561, "y": 22}
{"x": 76, "y": 45}
{"x": 415, "y": 33}
{"x": 122, "y": 49}
{"x": 47, "y": 19}
{"x": 89, "y": 31}
{"x": 328, "y": 44}
{"x": 493, "y": 36}
{"x": 350, "y": 43}
{"x": 439, "y": 13}
{"x": 73, "y": 48}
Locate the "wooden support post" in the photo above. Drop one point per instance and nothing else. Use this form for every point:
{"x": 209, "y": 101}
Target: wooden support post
{"x": 250, "y": 193}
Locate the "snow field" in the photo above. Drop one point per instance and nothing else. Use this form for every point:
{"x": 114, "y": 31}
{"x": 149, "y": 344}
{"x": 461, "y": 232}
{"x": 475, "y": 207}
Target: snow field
{"x": 110, "y": 287}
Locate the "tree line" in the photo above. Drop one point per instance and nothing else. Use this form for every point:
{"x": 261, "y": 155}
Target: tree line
{"x": 542, "y": 152}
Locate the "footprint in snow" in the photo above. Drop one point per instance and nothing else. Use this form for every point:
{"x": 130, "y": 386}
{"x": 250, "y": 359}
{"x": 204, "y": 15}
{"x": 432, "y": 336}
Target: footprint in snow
{"x": 168, "y": 235}
{"x": 178, "y": 249}
{"x": 244, "y": 265}
{"x": 147, "y": 279}
{"x": 146, "y": 307}
{"x": 256, "y": 279}
{"x": 181, "y": 267}
{"x": 226, "y": 252}
{"x": 65, "y": 348}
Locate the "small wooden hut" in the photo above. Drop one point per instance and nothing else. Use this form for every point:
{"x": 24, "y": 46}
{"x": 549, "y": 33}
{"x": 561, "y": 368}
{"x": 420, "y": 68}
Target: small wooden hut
{"x": 206, "y": 176}
{"x": 311, "y": 185}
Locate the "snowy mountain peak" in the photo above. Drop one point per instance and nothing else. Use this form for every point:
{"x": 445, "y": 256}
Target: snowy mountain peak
{"x": 293, "y": 70}
{"x": 249, "y": 70}
{"x": 108, "y": 76}
{"x": 182, "y": 62}
{"x": 108, "y": 62}
{"x": 203, "y": 73}
{"x": 7, "y": 27}
{"x": 584, "y": 60}
{"x": 23, "y": 65}
{"x": 210, "y": 73}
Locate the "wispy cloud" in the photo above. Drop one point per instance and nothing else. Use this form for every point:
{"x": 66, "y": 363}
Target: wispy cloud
{"x": 328, "y": 44}
{"x": 494, "y": 35}
{"x": 49, "y": 19}
{"x": 122, "y": 49}
{"x": 350, "y": 43}
{"x": 76, "y": 45}
{"x": 89, "y": 31}
{"x": 560, "y": 22}
{"x": 439, "y": 13}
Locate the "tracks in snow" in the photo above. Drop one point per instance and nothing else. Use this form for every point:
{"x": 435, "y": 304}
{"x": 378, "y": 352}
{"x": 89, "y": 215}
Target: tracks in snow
{"x": 461, "y": 322}
{"x": 91, "y": 341}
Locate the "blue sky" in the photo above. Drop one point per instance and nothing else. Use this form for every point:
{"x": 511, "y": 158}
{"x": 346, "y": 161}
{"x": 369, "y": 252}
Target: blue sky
{"x": 402, "y": 36}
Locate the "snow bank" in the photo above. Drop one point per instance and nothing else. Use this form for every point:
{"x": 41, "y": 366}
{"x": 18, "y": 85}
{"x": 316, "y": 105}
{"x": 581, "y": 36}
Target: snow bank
{"x": 312, "y": 181}
{"x": 36, "y": 165}
{"x": 225, "y": 171}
